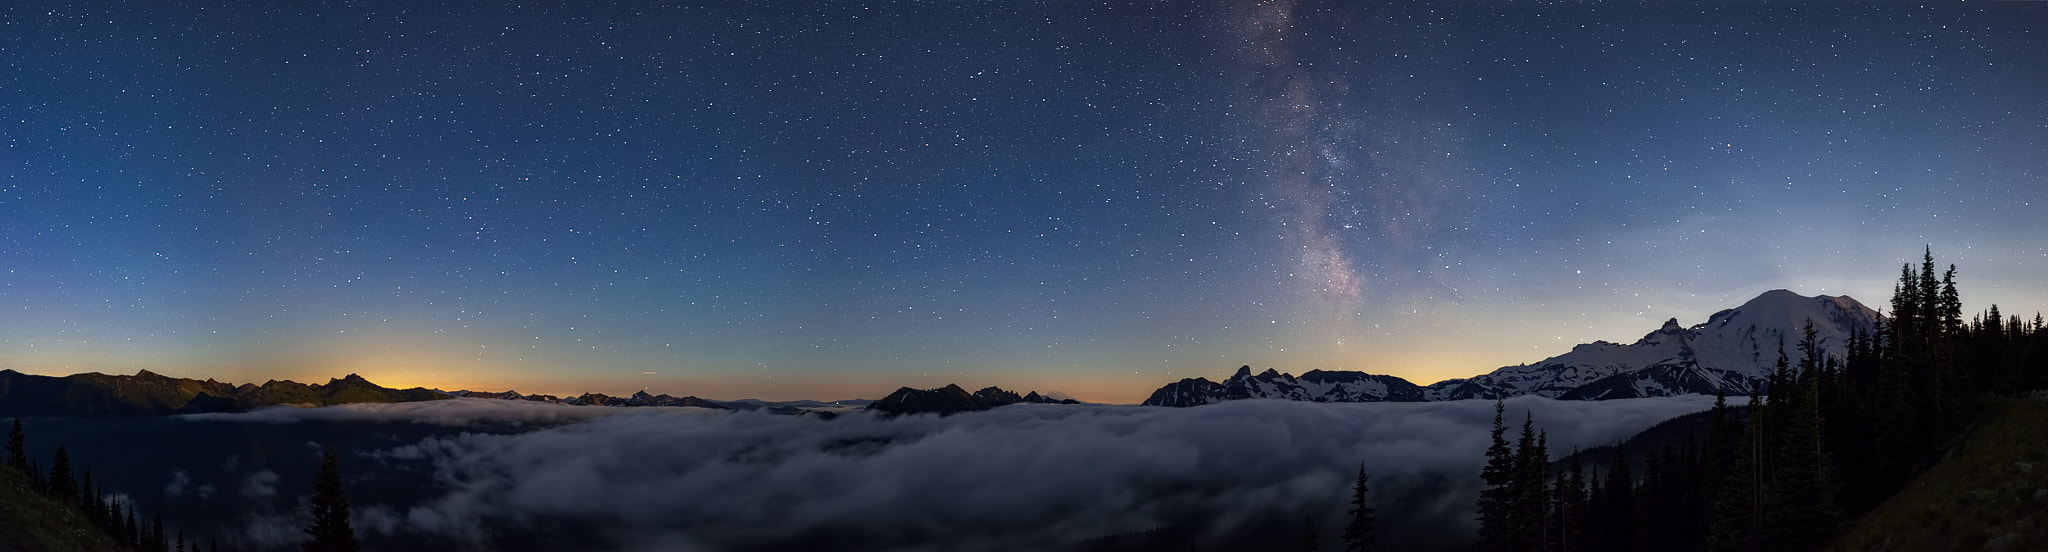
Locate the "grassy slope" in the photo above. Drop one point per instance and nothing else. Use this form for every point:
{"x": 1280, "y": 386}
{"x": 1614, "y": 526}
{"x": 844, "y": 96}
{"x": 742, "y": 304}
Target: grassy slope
{"x": 29, "y": 522}
{"x": 1992, "y": 488}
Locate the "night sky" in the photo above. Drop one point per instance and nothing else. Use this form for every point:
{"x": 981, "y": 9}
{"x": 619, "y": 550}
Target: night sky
{"x": 792, "y": 200}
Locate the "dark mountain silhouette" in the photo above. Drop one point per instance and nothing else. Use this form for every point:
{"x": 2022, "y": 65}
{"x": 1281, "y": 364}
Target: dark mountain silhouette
{"x": 96, "y": 395}
{"x": 951, "y": 399}
{"x": 1314, "y": 386}
{"x": 643, "y": 398}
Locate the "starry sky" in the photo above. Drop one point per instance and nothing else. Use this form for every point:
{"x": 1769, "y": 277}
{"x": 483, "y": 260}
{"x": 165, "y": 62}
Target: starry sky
{"x": 830, "y": 200}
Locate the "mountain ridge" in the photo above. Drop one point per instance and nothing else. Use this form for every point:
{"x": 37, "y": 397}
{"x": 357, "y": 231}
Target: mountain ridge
{"x": 97, "y": 395}
{"x": 952, "y": 399}
{"x": 146, "y": 394}
{"x": 1732, "y": 351}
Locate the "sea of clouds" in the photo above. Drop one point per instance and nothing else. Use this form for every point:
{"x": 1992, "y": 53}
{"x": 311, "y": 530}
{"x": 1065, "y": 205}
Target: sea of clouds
{"x": 1016, "y": 477}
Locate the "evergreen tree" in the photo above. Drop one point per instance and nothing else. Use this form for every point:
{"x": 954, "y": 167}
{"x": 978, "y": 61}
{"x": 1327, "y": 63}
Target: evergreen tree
{"x": 1951, "y": 303}
{"x": 63, "y": 485}
{"x": 1358, "y": 533}
{"x": 1726, "y": 470}
{"x": 330, "y": 530}
{"x": 1721, "y": 445}
{"x": 123, "y": 530}
{"x": 1528, "y": 499}
{"x": 157, "y": 540}
{"x": 1496, "y": 497}
{"x": 1309, "y": 541}
{"x": 1593, "y": 527}
{"x": 89, "y": 500}
{"x": 17, "y": 447}
{"x": 1619, "y": 506}
{"x": 117, "y": 526}
{"x": 1652, "y": 499}
{"x": 1800, "y": 511}
{"x": 134, "y": 528}
{"x": 1570, "y": 506}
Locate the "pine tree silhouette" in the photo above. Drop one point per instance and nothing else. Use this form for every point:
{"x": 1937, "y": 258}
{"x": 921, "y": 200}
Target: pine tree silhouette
{"x": 1527, "y": 498}
{"x": 63, "y": 484}
{"x": 1358, "y": 533}
{"x": 17, "y": 448}
{"x": 330, "y": 530}
{"x": 1309, "y": 541}
{"x": 1498, "y": 494}
{"x": 156, "y": 534}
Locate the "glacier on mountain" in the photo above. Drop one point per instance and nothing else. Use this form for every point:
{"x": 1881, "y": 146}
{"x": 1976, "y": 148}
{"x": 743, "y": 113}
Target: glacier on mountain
{"x": 1733, "y": 351}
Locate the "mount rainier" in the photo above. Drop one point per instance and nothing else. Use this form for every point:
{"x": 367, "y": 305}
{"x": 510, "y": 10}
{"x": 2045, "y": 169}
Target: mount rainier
{"x": 1734, "y": 350}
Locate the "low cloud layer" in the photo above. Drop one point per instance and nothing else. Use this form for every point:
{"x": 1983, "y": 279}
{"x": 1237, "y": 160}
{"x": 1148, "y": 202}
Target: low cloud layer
{"x": 1017, "y": 477}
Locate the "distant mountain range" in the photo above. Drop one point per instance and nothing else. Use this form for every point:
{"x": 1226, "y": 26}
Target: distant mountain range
{"x": 951, "y": 399}
{"x": 642, "y": 398}
{"x": 95, "y": 395}
{"x": 147, "y": 393}
{"x": 1734, "y": 350}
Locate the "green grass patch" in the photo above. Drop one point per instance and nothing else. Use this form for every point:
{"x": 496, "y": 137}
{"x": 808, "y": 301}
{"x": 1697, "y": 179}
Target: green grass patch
{"x": 1989, "y": 493}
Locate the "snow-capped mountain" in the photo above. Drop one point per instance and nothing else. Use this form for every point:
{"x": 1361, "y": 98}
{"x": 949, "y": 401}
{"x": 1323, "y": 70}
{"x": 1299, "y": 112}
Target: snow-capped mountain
{"x": 1734, "y": 350}
{"x": 1314, "y": 386}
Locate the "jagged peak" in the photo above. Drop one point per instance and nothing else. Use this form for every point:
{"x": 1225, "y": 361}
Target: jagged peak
{"x": 352, "y": 379}
{"x": 1242, "y": 372}
{"x": 1670, "y": 328}
{"x": 1269, "y": 374}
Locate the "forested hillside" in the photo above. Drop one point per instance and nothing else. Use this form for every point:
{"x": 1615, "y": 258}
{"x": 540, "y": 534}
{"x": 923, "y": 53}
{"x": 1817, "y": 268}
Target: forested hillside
{"x": 1829, "y": 440}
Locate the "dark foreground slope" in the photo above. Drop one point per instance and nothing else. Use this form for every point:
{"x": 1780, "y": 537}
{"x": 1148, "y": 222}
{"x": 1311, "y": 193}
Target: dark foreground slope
{"x": 30, "y": 522}
{"x": 1988, "y": 493}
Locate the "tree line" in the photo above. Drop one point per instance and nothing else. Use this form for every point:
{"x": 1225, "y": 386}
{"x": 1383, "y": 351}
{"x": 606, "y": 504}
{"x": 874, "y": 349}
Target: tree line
{"x": 107, "y": 512}
{"x": 1828, "y": 439}
{"x": 329, "y": 531}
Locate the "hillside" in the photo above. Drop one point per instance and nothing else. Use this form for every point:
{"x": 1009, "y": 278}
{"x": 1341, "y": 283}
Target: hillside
{"x": 1677, "y": 433}
{"x": 30, "y": 522}
{"x": 96, "y": 395}
{"x": 1988, "y": 493}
